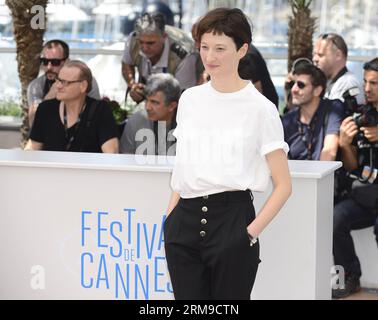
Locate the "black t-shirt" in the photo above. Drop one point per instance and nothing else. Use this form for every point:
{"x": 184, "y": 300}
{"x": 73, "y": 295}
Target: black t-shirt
{"x": 253, "y": 67}
{"x": 96, "y": 126}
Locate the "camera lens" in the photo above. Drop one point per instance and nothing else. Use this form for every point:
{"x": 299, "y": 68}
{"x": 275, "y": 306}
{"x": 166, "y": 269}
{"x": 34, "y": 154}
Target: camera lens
{"x": 366, "y": 119}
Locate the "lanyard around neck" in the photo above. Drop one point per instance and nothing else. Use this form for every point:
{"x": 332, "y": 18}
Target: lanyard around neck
{"x": 308, "y": 141}
{"x": 69, "y": 140}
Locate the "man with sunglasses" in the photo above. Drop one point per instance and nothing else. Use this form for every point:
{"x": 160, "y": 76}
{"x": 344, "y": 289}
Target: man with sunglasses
{"x": 289, "y": 82}
{"x": 73, "y": 121}
{"x": 360, "y": 209}
{"x": 330, "y": 55}
{"x": 311, "y": 128}
{"x": 54, "y": 54}
{"x": 154, "y": 47}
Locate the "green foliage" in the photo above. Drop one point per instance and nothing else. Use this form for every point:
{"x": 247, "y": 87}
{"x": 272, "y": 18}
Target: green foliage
{"x": 10, "y": 107}
{"x": 121, "y": 112}
{"x": 299, "y": 5}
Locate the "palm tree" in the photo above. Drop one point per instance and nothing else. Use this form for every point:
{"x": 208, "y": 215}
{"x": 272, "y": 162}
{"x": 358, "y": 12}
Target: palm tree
{"x": 29, "y": 42}
{"x": 301, "y": 30}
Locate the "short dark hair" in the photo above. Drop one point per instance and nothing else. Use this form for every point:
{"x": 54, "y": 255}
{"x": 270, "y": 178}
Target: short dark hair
{"x": 371, "y": 65}
{"x": 298, "y": 62}
{"x": 318, "y": 78}
{"x": 337, "y": 41}
{"x": 231, "y": 22}
{"x": 56, "y": 42}
{"x": 150, "y": 23}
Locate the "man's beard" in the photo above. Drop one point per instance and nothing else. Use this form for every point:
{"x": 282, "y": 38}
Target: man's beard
{"x": 51, "y": 75}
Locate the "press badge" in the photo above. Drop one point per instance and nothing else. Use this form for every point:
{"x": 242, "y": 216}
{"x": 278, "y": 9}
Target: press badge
{"x": 366, "y": 173}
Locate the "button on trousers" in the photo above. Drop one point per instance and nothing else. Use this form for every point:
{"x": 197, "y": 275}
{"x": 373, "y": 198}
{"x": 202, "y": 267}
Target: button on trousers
{"x": 207, "y": 247}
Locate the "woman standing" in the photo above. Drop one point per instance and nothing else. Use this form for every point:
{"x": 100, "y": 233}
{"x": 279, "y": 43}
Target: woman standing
{"x": 229, "y": 140}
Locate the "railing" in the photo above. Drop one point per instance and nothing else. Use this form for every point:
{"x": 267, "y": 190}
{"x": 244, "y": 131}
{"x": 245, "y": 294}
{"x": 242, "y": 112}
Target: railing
{"x": 262, "y": 47}
{"x": 116, "y": 88}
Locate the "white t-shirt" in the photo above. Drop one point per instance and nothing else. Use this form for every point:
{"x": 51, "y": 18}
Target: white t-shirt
{"x": 222, "y": 140}
{"x": 344, "y": 83}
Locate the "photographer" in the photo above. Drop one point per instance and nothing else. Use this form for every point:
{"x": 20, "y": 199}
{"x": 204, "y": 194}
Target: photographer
{"x": 154, "y": 47}
{"x": 330, "y": 55}
{"x": 359, "y": 145}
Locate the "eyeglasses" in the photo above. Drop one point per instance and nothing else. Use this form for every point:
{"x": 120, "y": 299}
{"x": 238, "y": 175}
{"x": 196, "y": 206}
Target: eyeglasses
{"x": 371, "y": 66}
{"x": 299, "y": 83}
{"x": 54, "y": 62}
{"x": 66, "y": 82}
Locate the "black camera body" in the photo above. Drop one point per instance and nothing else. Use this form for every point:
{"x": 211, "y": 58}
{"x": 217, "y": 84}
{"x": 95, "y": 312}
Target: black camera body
{"x": 367, "y": 117}
{"x": 363, "y": 115}
{"x": 350, "y": 101}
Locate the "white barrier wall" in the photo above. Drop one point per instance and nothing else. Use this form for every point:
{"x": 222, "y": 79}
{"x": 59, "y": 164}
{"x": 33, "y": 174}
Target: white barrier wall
{"x": 89, "y": 226}
{"x": 366, "y": 249}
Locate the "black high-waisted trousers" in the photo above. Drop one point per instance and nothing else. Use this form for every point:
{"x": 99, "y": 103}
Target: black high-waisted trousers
{"x": 207, "y": 247}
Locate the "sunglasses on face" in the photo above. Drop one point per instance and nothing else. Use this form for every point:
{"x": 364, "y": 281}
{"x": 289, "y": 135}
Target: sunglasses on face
{"x": 299, "y": 83}
{"x": 54, "y": 62}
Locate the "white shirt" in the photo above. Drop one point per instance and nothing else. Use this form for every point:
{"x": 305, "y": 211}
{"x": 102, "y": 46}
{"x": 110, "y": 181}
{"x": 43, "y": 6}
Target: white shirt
{"x": 344, "y": 83}
{"x": 222, "y": 140}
